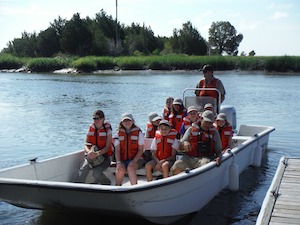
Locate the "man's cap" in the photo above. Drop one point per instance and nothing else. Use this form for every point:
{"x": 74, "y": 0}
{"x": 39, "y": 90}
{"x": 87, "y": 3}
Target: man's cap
{"x": 207, "y": 68}
{"x": 165, "y": 122}
{"x": 99, "y": 113}
{"x": 153, "y": 116}
{"x": 127, "y": 116}
{"x": 208, "y": 116}
{"x": 221, "y": 116}
{"x": 192, "y": 108}
{"x": 177, "y": 101}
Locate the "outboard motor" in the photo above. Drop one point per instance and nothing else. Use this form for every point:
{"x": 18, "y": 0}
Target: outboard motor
{"x": 230, "y": 114}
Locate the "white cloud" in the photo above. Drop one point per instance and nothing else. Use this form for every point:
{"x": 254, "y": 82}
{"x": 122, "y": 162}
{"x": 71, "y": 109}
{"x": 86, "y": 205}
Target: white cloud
{"x": 281, "y": 6}
{"x": 279, "y": 15}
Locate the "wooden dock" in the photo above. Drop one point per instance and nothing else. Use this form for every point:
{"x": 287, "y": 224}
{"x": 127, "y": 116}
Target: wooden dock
{"x": 282, "y": 201}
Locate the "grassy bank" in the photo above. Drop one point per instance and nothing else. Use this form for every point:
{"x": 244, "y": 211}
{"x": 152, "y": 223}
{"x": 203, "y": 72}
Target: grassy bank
{"x": 165, "y": 62}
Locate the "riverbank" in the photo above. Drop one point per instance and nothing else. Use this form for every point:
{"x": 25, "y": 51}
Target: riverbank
{"x": 91, "y": 64}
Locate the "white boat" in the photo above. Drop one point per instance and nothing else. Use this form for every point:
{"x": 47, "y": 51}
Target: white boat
{"x": 48, "y": 184}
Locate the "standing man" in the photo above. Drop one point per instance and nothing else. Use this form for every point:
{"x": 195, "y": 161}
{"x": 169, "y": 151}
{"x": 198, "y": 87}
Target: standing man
{"x": 209, "y": 81}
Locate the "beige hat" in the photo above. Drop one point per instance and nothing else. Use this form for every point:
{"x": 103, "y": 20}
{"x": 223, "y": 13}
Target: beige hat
{"x": 153, "y": 116}
{"x": 165, "y": 122}
{"x": 208, "y": 116}
{"x": 208, "y": 105}
{"x": 192, "y": 108}
{"x": 177, "y": 101}
{"x": 126, "y": 116}
{"x": 221, "y": 116}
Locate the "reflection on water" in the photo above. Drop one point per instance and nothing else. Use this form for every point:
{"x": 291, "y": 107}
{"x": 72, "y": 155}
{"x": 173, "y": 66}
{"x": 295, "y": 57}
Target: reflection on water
{"x": 45, "y": 115}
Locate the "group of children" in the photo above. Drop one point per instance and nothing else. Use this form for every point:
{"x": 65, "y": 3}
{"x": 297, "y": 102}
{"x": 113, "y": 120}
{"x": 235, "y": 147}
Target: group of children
{"x": 166, "y": 130}
{"x": 170, "y": 128}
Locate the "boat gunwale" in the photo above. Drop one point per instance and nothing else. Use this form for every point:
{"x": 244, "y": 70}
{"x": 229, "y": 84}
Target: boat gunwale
{"x": 64, "y": 185}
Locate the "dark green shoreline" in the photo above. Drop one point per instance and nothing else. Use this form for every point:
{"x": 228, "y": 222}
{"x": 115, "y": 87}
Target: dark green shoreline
{"x": 9, "y": 63}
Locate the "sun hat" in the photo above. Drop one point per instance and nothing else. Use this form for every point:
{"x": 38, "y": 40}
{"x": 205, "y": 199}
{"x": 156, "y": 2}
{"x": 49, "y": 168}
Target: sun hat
{"x": 127, "y": 116}
{"x": 208, "y": 116}
{"x": 192, "y": 108}
{"x": 221, "y": 116}
{"x": 177, "y": 101}
{"x": 165, "y": 122}
{"x": 153, "y": 116}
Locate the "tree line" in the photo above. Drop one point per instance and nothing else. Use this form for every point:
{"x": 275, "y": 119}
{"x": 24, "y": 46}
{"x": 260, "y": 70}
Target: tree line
{"x": 104, "y": 36}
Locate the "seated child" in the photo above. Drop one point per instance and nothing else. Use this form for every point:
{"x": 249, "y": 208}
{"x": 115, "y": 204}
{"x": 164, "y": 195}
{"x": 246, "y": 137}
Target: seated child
{"x": 164, "y": 147}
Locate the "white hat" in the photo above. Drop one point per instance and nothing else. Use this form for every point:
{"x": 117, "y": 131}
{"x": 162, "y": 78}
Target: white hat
{"x": 208, "y": 116}
{"x": 221, "y": 116}
{"x": 165, "y": 122}
{"x": 192, "y": 108}
{"x": 208, "y": 105}
{"x": 126, "y": 116}
{"x": 153, "y": 116}
{"x": 177, "y": 101}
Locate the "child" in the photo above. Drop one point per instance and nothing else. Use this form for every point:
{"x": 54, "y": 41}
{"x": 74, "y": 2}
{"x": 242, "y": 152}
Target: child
{"x": 193, "y": 116}
{"x": 167, "y": 108}
{"x": 225, "y": 131}
{"x": 177, "y": 114}
{"x": 152, "y": 125}
{"x": 129, "y": 145}
{"x": 164, "y": 147}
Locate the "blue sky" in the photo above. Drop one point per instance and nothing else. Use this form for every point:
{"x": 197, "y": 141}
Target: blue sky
{"x": 269, "y": 27}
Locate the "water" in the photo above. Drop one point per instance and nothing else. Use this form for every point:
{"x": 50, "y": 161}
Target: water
{"x": 45, "y": 115}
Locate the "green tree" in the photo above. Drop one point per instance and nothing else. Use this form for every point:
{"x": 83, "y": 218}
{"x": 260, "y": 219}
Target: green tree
{"x": 76, "y": 37}
{"x": 174, "y": 42}
{"x": 243, "y": 53}
{"x": 24, "y": 46}
{"x": 58, "y": 25}
{"x": 189, "y": 40}
{"x": 106, "y": 24}
{"x": 104, "y": 35}
{"x": 252, "y": 53}
{"x": 48, "y": 43}
{"x": 100, "y": 43}
{"x": 223, "y": 38}
{"x": 140, "y": 39}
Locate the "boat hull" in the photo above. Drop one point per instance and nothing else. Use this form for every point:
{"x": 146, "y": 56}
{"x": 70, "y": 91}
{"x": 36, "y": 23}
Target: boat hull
{"x": 48, "y": 185}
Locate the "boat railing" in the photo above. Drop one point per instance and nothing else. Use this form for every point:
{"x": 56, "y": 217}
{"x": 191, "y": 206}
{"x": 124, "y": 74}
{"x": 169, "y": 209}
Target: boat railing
{"x": 200, "y": 101}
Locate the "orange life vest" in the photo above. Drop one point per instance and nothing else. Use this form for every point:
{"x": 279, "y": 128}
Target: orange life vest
{"x": 150, "y": 130}
{"x": 206, "y": 137}
{"x": 187, "y": 122}
{"x": 166, "y": 113}
{"x": 212, "y": 84}
{"x": 129, "y": 143}
{"x": 176, "y": 120}
{"x": 99, "y": 137}
{"x": 164, "y": 144}
{"x": 225, "y": 133}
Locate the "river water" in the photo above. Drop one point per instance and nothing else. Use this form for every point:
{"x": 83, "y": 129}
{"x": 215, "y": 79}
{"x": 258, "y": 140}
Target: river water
{"x": 46, "y": 115}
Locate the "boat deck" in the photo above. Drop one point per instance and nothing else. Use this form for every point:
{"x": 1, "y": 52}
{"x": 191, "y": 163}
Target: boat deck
{"x": 282, "y": 201}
